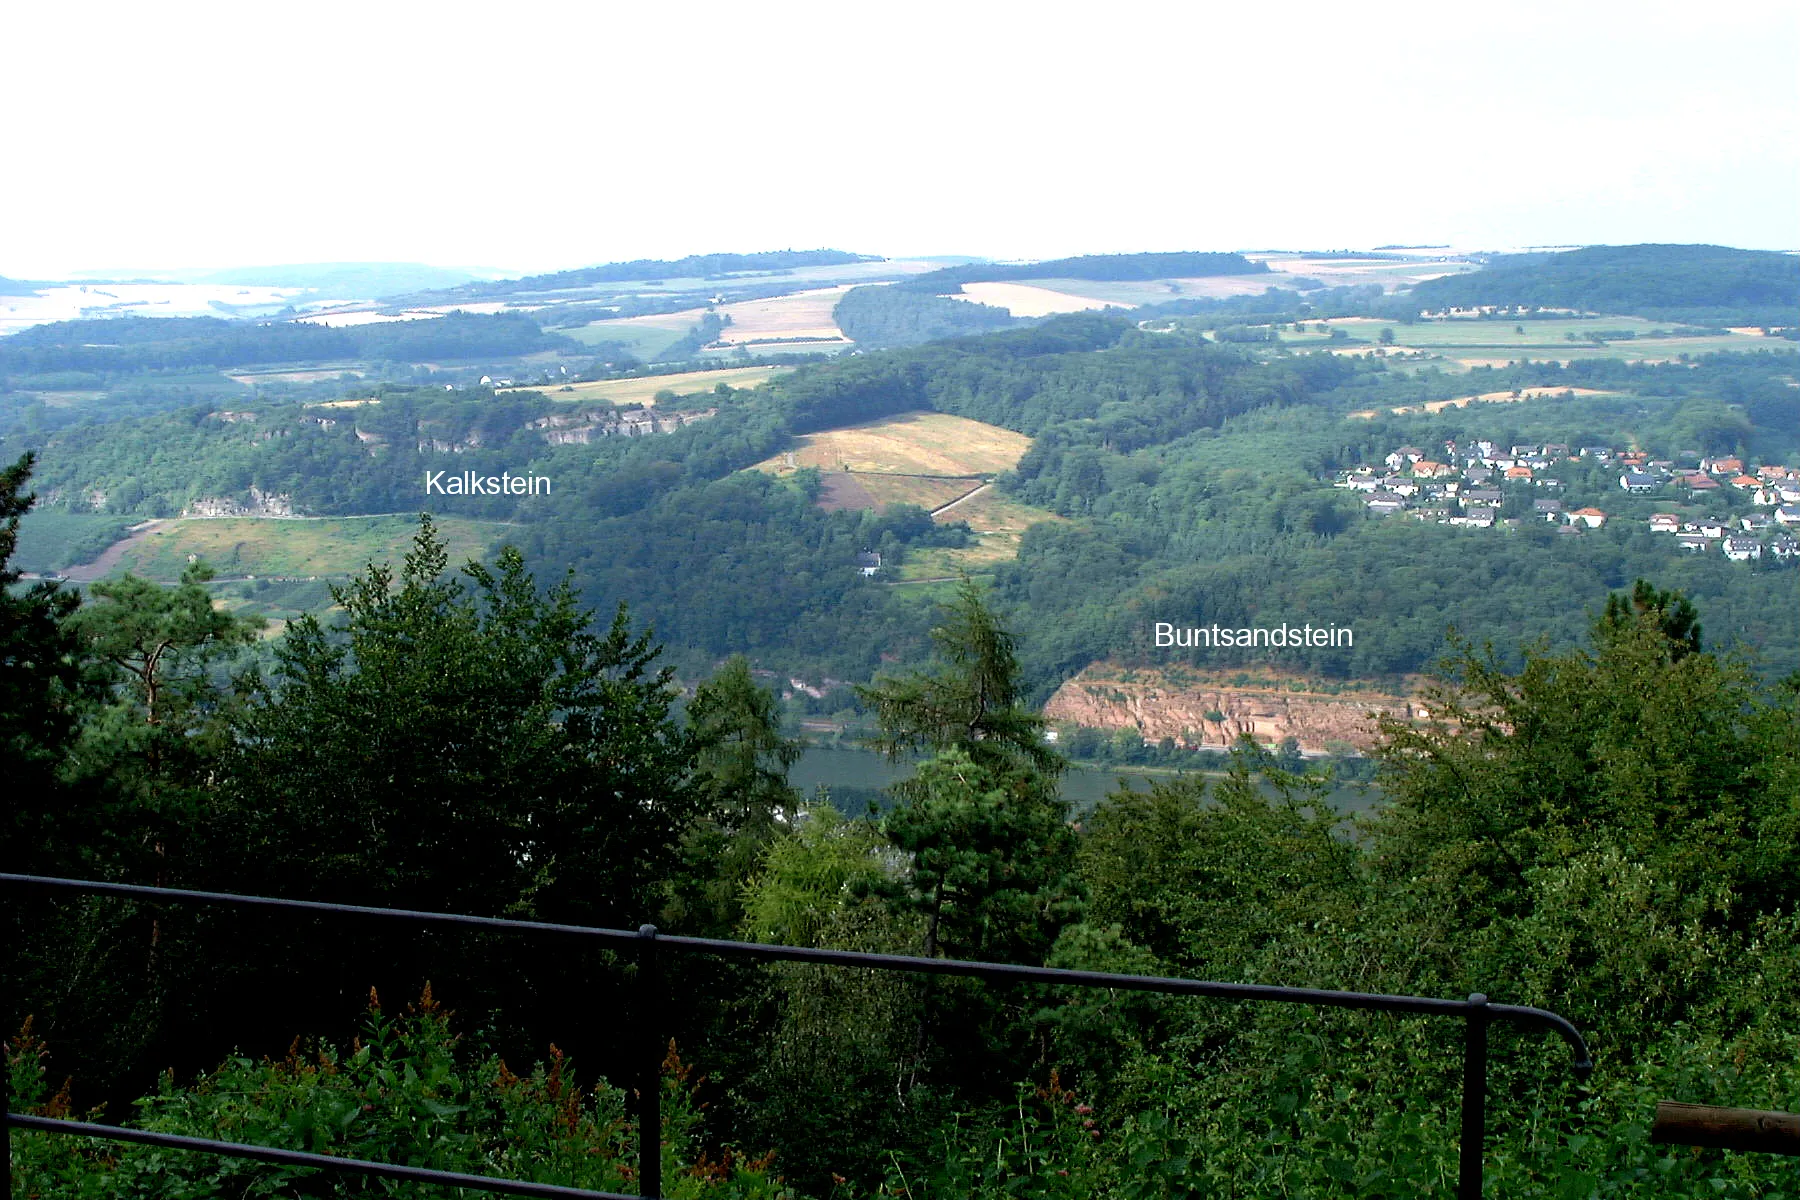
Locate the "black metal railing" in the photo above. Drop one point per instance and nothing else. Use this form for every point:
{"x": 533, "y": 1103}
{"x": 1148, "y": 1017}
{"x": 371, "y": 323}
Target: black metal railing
{"x": 646, "y": 944}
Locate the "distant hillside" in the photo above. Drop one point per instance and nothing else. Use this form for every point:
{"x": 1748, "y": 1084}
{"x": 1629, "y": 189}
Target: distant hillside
{"x": 1101, "y": 267}
{"x": 1663, "y": 282}
{"x": 16, "y": 287}
{"x": 694, "y": 266}
{"x": 163, "y": 343}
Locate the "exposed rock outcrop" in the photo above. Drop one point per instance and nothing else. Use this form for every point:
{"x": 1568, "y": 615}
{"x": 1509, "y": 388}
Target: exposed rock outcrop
{"x": 1198, "y": 710}
{"x": 261, "y": 504}
{"x": 580, "y": 428}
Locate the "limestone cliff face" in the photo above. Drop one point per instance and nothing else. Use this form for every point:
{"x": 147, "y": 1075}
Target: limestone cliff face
{"x": 1108, "y": 696}
{"x": 260, "y": 504}
{"x": 581, "y": 428}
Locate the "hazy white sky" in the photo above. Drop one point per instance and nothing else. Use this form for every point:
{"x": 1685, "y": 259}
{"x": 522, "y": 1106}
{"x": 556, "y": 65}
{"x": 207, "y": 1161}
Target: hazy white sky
{"x": 532, "y": 136}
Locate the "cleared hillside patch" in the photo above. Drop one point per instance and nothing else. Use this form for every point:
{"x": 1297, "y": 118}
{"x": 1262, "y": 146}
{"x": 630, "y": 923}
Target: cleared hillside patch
{"x": 290, "y": 549}
{"x": 916, "y": 443}
{"x": 939, "y": 462}
{"x": 643, "y": 390}
{"x": 929, "y": 494}
{"x": 1029, "y": 300}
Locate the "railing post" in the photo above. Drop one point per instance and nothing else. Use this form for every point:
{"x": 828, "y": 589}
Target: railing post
{"x": 12, "y": 959}
{"x": 1474, "y": 1098}
{"x": 649, "y": 1067}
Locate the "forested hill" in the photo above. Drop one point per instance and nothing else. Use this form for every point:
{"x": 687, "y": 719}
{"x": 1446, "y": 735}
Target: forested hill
{"x": 694, "y": 266}
{"x": 1102, "y": 267}
{"x": 1175, "y": 479}
{"x": 124, "y": 344}
{"x": 883, "y": 315}
{"x": 1715, "y": 284}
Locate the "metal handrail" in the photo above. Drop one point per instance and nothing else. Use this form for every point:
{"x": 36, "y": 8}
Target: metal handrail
{"x": 646, "y": 942}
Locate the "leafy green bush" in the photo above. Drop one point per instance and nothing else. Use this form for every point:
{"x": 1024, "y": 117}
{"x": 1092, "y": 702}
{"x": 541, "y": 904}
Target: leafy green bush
{"x": 399, "y": 1094}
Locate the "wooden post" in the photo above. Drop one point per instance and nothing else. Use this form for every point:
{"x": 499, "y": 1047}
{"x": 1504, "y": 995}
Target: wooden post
{"x": 1679, "y": 1124}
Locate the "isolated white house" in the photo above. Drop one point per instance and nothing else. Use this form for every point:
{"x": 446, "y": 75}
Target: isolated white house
{"x": 1742, "y": 549}
{"x": 1593, "y": 518}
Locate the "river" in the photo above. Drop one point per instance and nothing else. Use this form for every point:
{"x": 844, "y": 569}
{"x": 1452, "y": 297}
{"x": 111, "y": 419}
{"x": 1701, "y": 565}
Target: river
{"x": 862, "y": 771}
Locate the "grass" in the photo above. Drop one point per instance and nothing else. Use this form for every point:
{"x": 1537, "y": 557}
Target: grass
{"x": 641, "y": 341}
{"x": 770, "y": 350}
{"x": 643, "y": 390}
{"x": 295, "y": 550}
{"x": 1495, "y": 343}
{"x": 918, "y": 443}
{"x": 998, "y": 523}
{"x": 928, "y": 494}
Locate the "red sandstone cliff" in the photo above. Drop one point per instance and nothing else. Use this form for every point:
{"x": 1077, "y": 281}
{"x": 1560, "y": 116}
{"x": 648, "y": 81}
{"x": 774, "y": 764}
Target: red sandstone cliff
{"x": 1108, "y": 696}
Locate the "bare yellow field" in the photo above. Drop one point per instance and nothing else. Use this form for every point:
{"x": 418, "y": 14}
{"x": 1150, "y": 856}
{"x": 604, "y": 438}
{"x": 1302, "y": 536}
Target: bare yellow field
{"x": 1026, "y": 300}
{"x": 643, "y": 390}
{"x": 799, "y": 315}
{"x": 929, "y": 494}
{"x": 803, "y": 314}
{"x": 919, "y": 443}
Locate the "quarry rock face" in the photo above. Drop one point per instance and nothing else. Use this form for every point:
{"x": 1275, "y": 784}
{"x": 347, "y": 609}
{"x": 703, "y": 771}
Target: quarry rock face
{"x": 260, "y": 504}
{"x": 579, "y": 429}
{"x": 1107, "y": 696}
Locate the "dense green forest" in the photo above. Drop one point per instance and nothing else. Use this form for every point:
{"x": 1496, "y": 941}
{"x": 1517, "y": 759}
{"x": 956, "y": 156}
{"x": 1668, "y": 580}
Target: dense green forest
{"x": 1606, "y": 830}
{"x": 1703, "y": 284}
{"x": 1193, "y": 476}
{"x": 124, "y": 344}
{"x": 891, "y": 315}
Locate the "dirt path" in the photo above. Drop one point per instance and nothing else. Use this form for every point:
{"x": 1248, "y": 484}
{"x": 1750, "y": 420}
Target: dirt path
{"x": 967, "y": 496}
{"x": 109, "y": 558}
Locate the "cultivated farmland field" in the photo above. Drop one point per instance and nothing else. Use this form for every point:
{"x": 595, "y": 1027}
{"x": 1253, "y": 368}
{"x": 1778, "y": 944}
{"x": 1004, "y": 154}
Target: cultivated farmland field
{"x": 1470, "y": 342}
{"x": 929, "y": 494}
{"x": 1035, "y": 300}
{"x": 798, "y": 315}
{"x": 917, "y": 443}
{"x": 642, "y": 341}
{"x": 643, "y": 390}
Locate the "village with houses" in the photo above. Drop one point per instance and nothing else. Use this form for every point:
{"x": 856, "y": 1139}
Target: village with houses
{"x": 1748, "y": 513}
